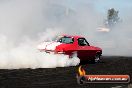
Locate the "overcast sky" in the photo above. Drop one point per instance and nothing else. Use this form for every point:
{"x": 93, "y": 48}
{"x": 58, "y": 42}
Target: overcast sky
{"x": 100, "y": 5}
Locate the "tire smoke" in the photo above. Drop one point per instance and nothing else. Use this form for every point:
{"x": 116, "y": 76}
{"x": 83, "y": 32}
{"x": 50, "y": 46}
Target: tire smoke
{"x": 26, "y": 55}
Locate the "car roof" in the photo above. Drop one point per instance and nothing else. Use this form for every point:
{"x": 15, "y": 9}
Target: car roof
{"x": 74, "y": 36}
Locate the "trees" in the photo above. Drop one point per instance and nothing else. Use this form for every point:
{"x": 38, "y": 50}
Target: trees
{"x": 112, "y": 17}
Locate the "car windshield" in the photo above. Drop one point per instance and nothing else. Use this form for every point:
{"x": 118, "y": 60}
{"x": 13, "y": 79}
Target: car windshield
{"x": 65, "y": 39}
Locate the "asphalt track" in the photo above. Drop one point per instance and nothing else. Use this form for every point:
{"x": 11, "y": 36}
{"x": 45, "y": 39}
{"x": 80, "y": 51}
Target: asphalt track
{"x": 66, "y": 77}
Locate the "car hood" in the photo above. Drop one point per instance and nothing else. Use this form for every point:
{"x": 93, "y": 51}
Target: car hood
{"x": 96, "y": 48}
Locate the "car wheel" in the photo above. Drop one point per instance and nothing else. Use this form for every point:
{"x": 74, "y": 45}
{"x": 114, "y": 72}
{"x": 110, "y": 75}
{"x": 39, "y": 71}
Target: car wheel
{"x": 97, "y": 58}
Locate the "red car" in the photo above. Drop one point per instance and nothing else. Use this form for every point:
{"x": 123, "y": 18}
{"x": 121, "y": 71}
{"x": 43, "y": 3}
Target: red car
{"x": 69, "y": 45}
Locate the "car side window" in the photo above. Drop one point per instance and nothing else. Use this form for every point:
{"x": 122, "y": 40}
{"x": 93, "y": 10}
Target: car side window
{"x": 67, "y": 40}
{"x": 82, "y": 42}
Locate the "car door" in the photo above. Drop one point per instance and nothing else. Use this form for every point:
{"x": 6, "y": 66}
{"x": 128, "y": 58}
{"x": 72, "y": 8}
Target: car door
{"x": 84, "y": 49}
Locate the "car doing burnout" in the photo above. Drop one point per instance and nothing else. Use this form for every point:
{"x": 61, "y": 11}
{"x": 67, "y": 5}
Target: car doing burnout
{"x": 69, "y": 45}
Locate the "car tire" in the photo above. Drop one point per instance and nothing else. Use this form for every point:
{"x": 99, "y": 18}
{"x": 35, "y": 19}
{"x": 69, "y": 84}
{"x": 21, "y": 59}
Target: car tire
{"x": 97, "y": 58}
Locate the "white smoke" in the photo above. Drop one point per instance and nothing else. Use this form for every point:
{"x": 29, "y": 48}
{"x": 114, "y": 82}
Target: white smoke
{"x": 23, "y": 25}
{"x": 26, "y": 55}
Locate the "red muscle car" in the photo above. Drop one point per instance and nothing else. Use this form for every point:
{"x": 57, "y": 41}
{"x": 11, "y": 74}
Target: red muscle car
{"x": 69, "y": 45}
